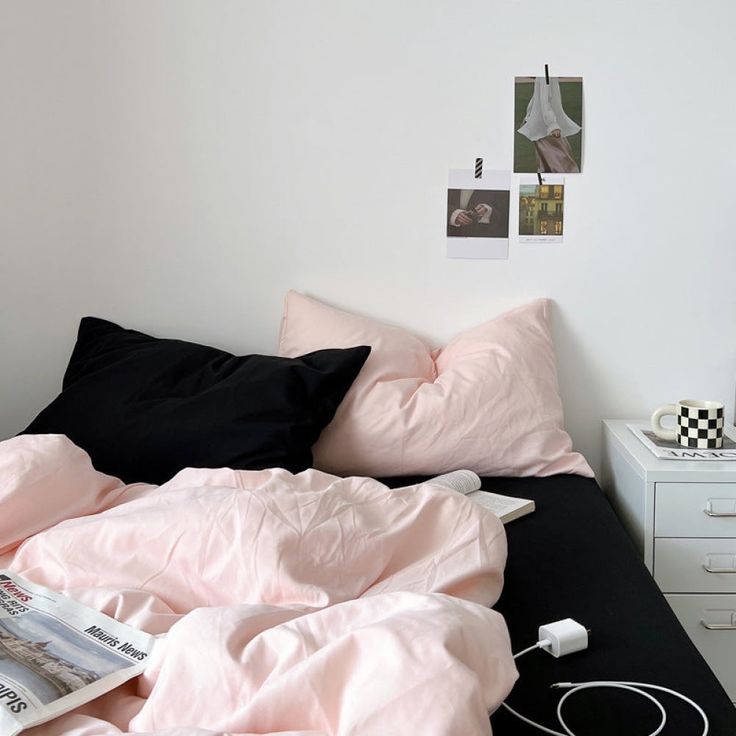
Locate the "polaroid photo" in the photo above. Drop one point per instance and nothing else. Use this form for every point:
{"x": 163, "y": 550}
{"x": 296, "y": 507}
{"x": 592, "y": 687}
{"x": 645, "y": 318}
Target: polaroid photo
{"x": 477, "y": 216}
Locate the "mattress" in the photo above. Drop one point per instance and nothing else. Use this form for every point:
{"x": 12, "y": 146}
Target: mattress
{"x": 572, "y": 558}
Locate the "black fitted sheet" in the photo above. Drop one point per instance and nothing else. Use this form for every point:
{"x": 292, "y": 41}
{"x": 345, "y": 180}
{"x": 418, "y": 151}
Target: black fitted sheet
{"x": 572, "y": 558}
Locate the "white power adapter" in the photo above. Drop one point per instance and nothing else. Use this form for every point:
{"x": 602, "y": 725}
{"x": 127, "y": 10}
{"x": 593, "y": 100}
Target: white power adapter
{"x": 567, "y": 636}
{"x": 563, "y": 637}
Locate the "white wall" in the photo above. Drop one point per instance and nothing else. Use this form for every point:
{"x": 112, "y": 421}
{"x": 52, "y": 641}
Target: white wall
{"x": 177, "y": 166}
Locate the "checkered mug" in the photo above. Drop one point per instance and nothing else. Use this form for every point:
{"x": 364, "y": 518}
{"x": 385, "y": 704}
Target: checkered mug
{"x": 698, "y": 423}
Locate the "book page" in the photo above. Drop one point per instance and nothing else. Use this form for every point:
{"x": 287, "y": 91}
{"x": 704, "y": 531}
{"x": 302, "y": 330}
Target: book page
{"x": 464, "y": 481}
{"x": 468, "y": 483}
{"x": 506, "y": 508}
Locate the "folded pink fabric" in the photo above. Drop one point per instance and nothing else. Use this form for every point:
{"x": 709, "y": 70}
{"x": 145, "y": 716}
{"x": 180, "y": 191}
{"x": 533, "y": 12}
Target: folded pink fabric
{"x": 487, "y": 401}
{"x": 291, "y": 604}
{"x": 32, "y": 469}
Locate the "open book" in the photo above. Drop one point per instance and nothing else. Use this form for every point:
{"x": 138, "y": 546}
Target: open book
{"x": 507, "y": 508}
{"x": 56, "y": 654}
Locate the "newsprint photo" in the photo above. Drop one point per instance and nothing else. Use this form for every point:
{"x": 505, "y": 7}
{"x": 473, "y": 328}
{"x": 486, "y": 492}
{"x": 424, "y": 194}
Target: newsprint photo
{"x": 56, "y": 654}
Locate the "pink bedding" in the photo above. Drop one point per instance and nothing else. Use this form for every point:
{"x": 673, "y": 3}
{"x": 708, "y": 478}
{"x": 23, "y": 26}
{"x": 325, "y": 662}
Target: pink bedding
{"x": 291, "y": 604}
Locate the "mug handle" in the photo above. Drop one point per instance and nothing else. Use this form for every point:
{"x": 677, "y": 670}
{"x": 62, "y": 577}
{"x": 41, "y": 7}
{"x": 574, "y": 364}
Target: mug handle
{"x": 657, "y": 428}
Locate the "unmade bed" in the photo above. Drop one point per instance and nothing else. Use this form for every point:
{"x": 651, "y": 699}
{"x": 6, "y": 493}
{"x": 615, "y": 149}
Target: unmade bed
{"x": 571, "y": 558}
{"x": 309, "y": 655}
{"x": 299, "y": 602}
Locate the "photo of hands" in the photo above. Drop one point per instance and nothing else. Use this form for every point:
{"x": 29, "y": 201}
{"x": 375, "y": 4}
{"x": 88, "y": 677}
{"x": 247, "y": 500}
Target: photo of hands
{"x": 477, "y": 213}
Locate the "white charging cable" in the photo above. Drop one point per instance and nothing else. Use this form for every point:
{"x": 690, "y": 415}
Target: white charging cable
{"x": 567, "y": 636}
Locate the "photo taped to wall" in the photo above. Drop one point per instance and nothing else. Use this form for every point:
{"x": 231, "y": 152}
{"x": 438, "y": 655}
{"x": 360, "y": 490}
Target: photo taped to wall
{"x": 548, "y": 124}
{"x": 541, "y": 209}
{"x": 477, "y": 214}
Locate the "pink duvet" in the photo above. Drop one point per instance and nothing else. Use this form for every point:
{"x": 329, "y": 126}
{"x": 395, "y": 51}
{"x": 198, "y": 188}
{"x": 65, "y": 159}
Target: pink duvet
{"x": 291, "y": 604}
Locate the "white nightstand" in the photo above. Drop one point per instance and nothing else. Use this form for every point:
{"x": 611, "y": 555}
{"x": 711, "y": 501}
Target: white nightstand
{"x": 681, "y": 515}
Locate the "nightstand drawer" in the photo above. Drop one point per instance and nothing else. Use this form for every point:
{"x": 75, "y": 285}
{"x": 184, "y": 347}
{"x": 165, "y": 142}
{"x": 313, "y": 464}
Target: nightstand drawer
{"x": 717, "y": 645}
{"x": 695, "y": 565}
{"x": 695, "y": 510}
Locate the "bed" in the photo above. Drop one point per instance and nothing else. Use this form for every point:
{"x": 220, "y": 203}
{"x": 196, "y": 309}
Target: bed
{"x": 432, "y": 646}
{"x": 572, "y": 558}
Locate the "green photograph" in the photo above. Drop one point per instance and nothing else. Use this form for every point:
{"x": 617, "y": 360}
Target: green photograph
{"x": 548, "y": 124}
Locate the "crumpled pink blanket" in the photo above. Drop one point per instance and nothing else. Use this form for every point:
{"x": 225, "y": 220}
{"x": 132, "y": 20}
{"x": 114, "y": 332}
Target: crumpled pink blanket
{"x": 294, "y": 604}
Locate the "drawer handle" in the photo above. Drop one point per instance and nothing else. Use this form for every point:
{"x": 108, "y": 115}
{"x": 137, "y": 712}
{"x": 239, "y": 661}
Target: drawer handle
{"x": 708, "y": 510}
{"x": 731, "y": 570}
{"x": 718, "y": 627}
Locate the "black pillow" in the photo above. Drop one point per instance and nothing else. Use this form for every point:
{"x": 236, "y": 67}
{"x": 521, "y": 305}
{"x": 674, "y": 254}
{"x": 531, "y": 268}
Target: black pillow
{"x": 144, "y": 408}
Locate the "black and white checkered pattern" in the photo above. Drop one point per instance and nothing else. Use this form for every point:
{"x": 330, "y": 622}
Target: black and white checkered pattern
{"x": 702, "y": 428}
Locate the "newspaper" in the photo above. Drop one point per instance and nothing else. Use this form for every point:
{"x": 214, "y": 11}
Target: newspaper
{"x": 56, "y": 654}
{"x": 671, "y": 450}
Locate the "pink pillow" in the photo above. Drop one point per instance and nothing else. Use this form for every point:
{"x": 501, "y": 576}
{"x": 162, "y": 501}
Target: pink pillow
{"x": 487, "y": 401}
